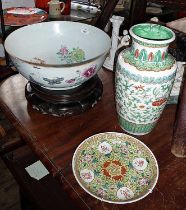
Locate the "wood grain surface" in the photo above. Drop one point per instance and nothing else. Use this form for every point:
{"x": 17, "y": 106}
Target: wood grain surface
{"x": 54, "y": 140}
{"x": 9, "y": 191}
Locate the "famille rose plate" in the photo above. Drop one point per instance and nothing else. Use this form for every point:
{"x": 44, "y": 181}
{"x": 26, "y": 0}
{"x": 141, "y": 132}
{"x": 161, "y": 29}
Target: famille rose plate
{"x": 20, "y": 16}
{"x": 115, "y": 168}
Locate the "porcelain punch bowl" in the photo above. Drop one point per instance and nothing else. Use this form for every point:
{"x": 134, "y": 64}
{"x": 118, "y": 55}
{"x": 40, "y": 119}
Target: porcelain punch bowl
{"x": 58, "y": 55}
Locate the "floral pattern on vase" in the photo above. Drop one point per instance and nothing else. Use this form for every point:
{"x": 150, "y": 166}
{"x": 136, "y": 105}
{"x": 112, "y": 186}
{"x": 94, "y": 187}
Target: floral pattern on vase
{"x": 144, "y": 78}
{"x": 143, "y": 102}
{"x": 123, "y": 170}
{"x": 70, "y": 56}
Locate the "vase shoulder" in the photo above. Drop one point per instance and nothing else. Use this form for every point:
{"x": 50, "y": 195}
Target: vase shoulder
{"x": 144, "y": 60}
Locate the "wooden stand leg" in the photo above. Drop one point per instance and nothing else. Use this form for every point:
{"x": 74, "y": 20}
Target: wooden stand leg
{"x": 106, "y": 14}
{"x": 137, "y": 12}
{"x": 179, "y": 133}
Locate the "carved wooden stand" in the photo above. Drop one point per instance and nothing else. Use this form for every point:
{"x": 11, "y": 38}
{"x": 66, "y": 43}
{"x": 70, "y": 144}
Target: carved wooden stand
{"x": 65, "y": 102}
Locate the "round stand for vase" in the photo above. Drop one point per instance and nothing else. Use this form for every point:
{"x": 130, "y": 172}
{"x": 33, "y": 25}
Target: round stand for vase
{"x": 144, "y": 78}
{"x": 65, "y": 102}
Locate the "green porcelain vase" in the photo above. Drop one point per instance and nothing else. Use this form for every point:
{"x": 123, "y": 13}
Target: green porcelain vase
{"x": 144, "y": 78}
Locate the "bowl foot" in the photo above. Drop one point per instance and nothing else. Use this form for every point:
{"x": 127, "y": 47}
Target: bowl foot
{"x": 64, "y": 102}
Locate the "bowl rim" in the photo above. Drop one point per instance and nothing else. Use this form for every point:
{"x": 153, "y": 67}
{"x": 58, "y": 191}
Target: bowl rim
{"x": 58, "y": 65}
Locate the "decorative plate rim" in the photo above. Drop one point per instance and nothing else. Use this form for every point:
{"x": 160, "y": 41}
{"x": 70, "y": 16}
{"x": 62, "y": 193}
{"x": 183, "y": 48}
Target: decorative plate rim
{"x": 44, "y": 15}
{"x": 109, "y": 201}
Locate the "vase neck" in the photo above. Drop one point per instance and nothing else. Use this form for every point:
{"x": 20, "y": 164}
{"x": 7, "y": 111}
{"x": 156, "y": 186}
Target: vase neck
{"x": 147, "y": 52}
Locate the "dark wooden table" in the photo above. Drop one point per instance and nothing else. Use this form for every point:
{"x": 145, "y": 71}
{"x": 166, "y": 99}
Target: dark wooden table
{"x": 53, "y": 140}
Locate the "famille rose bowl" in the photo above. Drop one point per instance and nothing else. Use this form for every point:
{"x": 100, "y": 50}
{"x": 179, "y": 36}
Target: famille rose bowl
{"x": 58, "y": 55}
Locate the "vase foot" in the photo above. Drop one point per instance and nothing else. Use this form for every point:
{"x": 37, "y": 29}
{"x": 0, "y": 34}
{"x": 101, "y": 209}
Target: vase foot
{"x": 136, "y": 129}
{"x": 132, "y": 133}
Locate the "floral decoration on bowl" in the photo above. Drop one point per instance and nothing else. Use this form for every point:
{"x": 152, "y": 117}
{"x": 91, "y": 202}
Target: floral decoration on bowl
{"x": 115, "y": 168}
{"x": 69, "y": 56}
{"x": 76, "y": 53}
